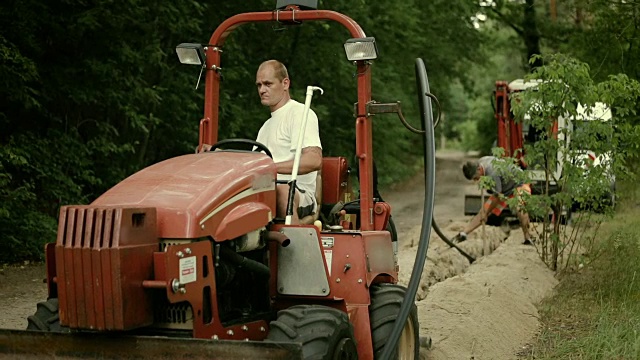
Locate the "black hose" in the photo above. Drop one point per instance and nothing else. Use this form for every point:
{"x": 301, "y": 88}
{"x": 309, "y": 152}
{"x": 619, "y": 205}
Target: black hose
{"x": 451, "y": 243}
{"x": 243, "y": 262}
{"x": 427, "y": 216}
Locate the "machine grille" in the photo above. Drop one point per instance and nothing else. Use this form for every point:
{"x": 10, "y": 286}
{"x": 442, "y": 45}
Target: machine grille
{"x": 173, "y": 316}
{"x": 99, "y": 253}
{"x": 166, "y": 242}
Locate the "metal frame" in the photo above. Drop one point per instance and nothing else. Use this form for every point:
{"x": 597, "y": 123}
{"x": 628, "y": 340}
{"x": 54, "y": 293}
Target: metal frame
{"x": 208, "y": 133}
{"x": 117, "y": 234}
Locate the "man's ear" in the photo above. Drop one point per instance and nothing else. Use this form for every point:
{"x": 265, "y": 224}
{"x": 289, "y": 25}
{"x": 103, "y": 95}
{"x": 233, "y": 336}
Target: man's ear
{"x": 285, "y": 83}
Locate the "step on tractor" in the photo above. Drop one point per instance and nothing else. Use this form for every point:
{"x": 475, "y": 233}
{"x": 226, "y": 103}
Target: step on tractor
{"x": 186, "y": 259}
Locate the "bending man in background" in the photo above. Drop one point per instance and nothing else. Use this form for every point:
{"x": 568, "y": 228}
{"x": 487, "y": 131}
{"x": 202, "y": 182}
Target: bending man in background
{"x": 506, "y": 184}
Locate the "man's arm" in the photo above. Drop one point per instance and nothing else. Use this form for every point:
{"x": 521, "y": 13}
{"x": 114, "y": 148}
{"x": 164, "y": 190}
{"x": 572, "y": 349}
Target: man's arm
{"x": 483, "y": 214}
{"x": 310, "y": 160}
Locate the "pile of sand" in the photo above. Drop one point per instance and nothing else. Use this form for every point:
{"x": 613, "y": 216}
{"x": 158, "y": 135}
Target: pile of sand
{"x": 486, "y": 310}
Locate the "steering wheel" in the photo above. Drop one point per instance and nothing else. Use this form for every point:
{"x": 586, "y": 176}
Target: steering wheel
{"x": 239, "y": 142}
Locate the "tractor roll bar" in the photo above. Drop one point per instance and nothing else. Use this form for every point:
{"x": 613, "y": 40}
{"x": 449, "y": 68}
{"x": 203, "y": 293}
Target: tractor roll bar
{"x": 292, "y": 14}
{"x": 212, "y": 80}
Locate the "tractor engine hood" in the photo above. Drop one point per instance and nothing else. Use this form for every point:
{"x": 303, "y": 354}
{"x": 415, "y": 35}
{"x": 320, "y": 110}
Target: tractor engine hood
{"x": 222, "y": 194}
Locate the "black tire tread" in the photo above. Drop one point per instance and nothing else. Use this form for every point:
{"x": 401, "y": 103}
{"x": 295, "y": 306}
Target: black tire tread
{"x": 386, "y": 300}
{"x": 46, "y": 317}
{"x": 312, "y": 325}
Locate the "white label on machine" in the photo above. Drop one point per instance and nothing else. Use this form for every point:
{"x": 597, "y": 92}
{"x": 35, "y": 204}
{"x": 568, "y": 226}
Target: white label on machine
{"x": 327, "y": 242}
{"x": 327, "y": 256}
{"x": 188, "y": 270}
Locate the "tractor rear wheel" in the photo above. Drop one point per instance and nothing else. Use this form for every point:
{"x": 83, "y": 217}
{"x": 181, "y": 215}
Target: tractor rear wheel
{"x": 47, "y": 317}
{"x": 386, "y": 300}
{"x": 325, "y": 333}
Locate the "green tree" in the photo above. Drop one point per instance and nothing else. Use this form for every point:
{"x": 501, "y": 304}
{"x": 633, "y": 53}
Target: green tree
{"x": 93, "y": 92}
{"x": 566, "y": 86}
{"x": 522, "y": 18}
{"x": 81, "y": 98}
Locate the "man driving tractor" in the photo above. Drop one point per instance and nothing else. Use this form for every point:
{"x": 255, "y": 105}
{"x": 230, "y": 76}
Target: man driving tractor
{"x": 280, "y": 135}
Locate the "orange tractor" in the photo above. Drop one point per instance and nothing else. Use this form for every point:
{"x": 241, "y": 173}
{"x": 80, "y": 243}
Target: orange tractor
{"x": 185, "y": 259}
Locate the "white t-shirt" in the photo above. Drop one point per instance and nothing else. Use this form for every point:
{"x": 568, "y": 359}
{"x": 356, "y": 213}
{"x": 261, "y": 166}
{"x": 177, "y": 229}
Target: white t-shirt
{"x": 280, "y": 135}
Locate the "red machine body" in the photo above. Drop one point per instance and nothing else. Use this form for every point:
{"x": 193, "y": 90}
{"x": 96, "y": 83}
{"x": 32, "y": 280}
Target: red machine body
{"x": 201, "y": 195}
{"x": 111, "y": 261}
{"x": 509, "y": 130}
{"x": 190, "y": 245}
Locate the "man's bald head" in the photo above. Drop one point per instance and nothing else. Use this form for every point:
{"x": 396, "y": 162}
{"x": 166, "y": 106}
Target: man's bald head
{"x": 280, "y": 71}
{"x": 272, "y": 81}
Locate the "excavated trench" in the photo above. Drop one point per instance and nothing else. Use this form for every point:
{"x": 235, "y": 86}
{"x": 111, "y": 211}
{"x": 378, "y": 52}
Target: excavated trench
{"x": 407, "y": 203}
{"x": 484, "y": 310}
{"x": 444, "y": 262}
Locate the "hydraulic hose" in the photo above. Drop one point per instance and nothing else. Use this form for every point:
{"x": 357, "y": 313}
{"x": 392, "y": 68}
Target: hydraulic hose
{"x": 451, "y": 243}
{"x": 251, "y": 265}
{"x": 427, "y": 216}
{"x": 416, "y": 131}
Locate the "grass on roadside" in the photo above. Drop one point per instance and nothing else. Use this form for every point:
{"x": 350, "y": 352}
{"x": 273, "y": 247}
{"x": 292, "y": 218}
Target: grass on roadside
{"x": 595, "y": 312}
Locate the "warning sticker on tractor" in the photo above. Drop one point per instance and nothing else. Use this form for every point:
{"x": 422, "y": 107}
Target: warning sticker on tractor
{"x": 328, "y": 254}
{"x": 188, "y": 270}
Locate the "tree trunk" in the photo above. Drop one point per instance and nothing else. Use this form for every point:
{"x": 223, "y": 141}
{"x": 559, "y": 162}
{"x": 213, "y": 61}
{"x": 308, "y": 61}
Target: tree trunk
{"x": 531, "y": 34}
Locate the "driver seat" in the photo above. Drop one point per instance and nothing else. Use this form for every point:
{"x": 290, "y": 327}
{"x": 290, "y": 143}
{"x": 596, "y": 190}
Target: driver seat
{"x": 310, "y": 219}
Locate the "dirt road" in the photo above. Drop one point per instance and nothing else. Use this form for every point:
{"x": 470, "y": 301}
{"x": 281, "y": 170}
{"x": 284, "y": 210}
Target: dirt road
{"x": 480, "y": 311}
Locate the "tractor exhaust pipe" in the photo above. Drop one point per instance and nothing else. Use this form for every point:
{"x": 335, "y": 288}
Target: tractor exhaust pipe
{"x": 278, "y": 237}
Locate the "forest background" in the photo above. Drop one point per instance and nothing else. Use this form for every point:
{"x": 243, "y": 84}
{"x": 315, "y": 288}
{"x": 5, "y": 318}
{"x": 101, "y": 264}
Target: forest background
{"x": 92, "y": 91}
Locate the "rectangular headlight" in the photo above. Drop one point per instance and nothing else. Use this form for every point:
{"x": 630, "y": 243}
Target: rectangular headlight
{"x": 361, "y": 49}
{"x": 190, "y": 54}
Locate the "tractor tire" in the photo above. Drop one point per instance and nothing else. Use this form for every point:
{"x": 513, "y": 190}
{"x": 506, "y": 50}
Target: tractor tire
{"x": 46, "y": 318}
{"x": 325, "y": 333}
{"x": 386, "y": 300}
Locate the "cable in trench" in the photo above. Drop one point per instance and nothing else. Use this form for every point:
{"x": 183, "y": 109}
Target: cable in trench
{"x": 450, "y": 243}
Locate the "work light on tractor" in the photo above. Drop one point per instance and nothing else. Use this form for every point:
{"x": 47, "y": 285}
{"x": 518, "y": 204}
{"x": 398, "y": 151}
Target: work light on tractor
{"x": 191, "y": 54}
{"x": 356, "y": 49}
{"x": 359, "y": 49}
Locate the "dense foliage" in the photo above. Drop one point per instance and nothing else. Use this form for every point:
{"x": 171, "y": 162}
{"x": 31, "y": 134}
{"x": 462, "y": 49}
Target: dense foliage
{"x": 591, "y": 146}
{"x": 601, "y": 33}
{"x": 92, "y": 91}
